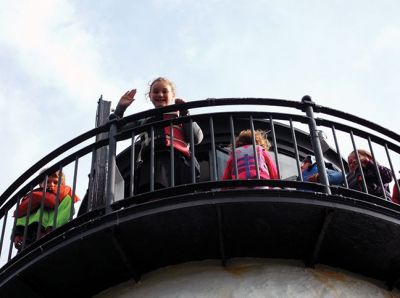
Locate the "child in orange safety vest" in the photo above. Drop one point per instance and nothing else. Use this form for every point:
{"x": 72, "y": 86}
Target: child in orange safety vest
{"x": 30, "y": 216}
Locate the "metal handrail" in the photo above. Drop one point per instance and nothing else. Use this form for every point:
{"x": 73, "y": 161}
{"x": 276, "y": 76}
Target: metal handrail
{"x": 119, "y": 129}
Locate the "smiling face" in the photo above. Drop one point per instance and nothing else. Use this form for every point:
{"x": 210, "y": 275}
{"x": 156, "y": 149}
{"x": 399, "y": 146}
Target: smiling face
{"x": 365, "y": 158}
{"x": 162, "y": 94}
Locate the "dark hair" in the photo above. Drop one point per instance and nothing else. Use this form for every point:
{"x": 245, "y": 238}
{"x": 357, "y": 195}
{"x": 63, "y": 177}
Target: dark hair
{"x": 309, "y": 158}
{"x": 57, "y": 174}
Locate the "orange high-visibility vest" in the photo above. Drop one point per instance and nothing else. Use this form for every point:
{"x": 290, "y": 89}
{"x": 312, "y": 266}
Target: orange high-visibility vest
{"x": 49, "y": 200}
{"x": 179, "y": 142}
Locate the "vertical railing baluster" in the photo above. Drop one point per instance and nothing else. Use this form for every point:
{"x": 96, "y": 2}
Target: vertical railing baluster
{"x": 72, "y": 211}
{"x": 275, "y": 144}
{"x": 213, "y": 167}
{"x": 13, "y": 230}
{"x": 112, "y": 150}
{"x": 396, "y": 183}
{"x": 340, "y": 156}
{"x": 172, "y": 153}
{"x": 364, "y": 184}
{"x": 253, "y": 140}
{"x": 152, "y": 159}
{"x": 391, "y": 167}
{"x": 28, "y": 214}
{"x": 376, "y": 167}
{"x": 296, "y": 150}
{"x": 192, "y": 153}
{"x": 233, "y": 142}
{"x": 3, "y": 231}
{"x": 39, "y": 228}
{"x": 315, "y": 141}
{"x": 133, "y": 165}
{"x": 57, "y": 197}
{"x": 10, "y": 248}
{"x": 92, "y": 181}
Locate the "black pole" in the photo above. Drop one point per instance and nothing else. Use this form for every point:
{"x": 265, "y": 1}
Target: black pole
{"x": 315, "y": 141}
{"x": 111, "y": 166}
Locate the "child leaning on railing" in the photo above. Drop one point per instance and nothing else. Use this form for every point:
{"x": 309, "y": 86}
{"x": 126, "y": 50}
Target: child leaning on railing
{"x": 246, "y": 164}
{"x": 31, "y": 217}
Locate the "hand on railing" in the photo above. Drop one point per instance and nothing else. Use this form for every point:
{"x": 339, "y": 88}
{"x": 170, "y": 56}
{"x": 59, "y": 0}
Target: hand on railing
{"x": 181, "y": 112}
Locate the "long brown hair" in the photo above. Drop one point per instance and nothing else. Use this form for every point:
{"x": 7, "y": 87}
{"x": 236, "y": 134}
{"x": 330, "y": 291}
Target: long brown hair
{"x": 361, "y": 152}
{"x": 245, "y": 138}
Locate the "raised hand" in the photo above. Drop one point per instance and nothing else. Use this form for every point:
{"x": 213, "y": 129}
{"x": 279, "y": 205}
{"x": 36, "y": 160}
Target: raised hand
{"x": 127, "y": 98}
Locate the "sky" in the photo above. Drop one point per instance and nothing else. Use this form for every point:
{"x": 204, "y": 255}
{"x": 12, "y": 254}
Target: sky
{"x": 57, "y": 57}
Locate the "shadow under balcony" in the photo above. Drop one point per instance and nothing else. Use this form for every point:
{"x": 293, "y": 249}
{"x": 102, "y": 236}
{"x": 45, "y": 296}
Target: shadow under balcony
{"x": 359, "y": 233}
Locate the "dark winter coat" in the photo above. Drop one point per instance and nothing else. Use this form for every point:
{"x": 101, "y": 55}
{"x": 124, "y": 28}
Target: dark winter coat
{"x": 374, "y": 187}
{"x": 162, "y": 159}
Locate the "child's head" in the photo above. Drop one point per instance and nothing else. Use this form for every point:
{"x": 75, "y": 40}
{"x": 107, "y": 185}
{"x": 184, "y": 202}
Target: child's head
{"x": 52, "y": 180}
{"x": 162, "y": 92}
{"x": 364, "y": 155}
{"x": 307, "y": 162}
{"x": 245, "y": 138}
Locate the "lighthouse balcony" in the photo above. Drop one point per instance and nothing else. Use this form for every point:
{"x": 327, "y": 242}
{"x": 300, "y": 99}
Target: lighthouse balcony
{"x": 119, "y": 232}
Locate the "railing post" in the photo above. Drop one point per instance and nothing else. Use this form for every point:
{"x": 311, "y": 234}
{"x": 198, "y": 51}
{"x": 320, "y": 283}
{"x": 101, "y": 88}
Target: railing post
{"x": 213, "y": 166}
{"x": 98, "y": 172}
{"x": 110, "y": 191}
{"x": 315, "y": 141}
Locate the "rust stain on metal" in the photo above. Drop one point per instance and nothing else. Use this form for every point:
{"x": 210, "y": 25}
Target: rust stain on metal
{"x": 325, "y": 276}
{"x": 239, "y": 270}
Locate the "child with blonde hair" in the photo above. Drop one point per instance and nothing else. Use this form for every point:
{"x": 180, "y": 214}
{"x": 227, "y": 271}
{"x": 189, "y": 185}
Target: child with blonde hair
{"x": 246, "y": 164}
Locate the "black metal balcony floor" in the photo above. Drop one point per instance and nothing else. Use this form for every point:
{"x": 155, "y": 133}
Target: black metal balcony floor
{"x": 96, "y": 252}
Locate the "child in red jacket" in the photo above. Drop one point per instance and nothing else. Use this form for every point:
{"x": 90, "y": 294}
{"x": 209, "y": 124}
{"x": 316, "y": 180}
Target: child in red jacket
{"x": 246, "y": 160}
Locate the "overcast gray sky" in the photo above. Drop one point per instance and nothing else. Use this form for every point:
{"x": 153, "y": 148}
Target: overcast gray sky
{"x": 57, "y": 57}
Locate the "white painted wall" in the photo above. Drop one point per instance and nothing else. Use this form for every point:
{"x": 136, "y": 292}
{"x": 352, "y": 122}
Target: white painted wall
{"x": 250, "y": 278}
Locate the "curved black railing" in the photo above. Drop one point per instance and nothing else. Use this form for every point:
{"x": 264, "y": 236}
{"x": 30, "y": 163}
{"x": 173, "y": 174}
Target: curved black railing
{"x": 294, "y": 133}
